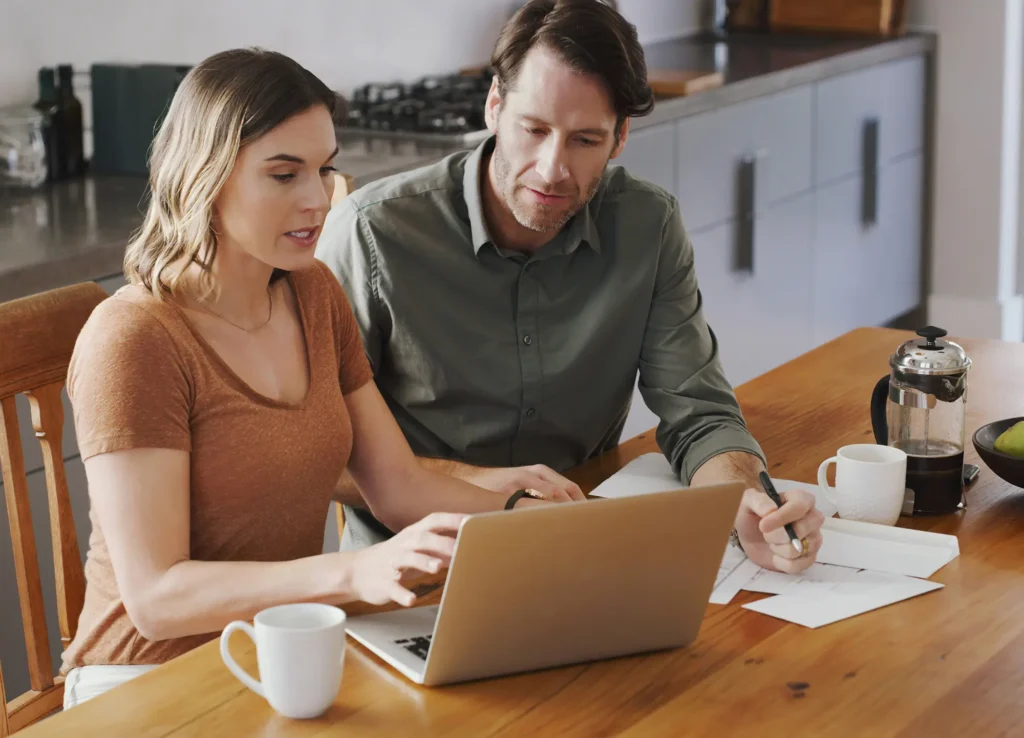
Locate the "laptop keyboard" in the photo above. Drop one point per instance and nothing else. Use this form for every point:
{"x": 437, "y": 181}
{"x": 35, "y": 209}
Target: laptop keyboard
{"x": 418, "y": 646}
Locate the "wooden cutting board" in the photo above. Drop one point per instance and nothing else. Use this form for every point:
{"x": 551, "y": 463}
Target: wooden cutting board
{"x": 679, "y": 82}
{"x": 852, "y": 16}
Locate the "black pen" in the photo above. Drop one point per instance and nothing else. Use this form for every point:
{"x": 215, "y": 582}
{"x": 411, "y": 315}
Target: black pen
{"x": 769, "y": 489}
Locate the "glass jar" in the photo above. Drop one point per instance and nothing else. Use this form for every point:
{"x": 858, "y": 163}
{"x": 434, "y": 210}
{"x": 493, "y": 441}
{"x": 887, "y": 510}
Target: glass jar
{"x": 22, "y": 147}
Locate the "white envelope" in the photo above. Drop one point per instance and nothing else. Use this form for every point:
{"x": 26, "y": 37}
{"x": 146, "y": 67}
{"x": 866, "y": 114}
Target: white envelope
{"x": 884, "y": 548}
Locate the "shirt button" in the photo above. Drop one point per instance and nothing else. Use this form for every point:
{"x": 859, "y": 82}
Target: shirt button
{"x": 527, "y": 340}
{"x": 530, "y": 412}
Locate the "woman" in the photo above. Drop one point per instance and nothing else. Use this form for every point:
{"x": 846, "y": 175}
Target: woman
{"x": 220, "y": 396}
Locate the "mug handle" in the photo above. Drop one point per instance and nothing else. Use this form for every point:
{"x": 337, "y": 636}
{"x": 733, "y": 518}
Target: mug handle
{"x": 229, "y": 660}
{"x": 823, "y": 480}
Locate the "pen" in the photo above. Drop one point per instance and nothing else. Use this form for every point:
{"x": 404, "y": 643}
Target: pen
{"x": 769, "y": 489}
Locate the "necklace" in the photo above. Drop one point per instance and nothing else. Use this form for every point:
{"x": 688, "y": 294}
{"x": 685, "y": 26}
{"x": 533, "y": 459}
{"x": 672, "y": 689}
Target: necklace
{"x": 270, "y": 314}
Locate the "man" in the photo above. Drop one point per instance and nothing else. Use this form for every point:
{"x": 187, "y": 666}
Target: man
{"x": 508, "y": 296}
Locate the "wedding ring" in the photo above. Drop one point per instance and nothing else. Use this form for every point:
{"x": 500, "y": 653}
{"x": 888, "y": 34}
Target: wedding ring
{"x": 534, "y": 493}
{"x": 806, "y": 546}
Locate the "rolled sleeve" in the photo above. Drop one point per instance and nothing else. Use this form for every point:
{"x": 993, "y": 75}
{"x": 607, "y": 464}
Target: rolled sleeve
{"x": 681, "y": 375}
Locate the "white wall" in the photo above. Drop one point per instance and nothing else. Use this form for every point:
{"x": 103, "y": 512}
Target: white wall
{"x": 345, "y": 42}
{"x": 976, "y": 185}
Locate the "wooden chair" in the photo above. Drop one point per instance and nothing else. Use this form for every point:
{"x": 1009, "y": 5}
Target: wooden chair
{"x": 37, "y": 335}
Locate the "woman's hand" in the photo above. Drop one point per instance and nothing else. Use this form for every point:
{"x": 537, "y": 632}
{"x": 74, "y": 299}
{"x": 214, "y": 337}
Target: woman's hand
{"x": 426, "y": 546}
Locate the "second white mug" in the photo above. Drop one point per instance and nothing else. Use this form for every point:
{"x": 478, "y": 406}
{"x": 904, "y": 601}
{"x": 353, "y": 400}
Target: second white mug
{"x": 300, "y": 650}
{"x": 870, "y": 482}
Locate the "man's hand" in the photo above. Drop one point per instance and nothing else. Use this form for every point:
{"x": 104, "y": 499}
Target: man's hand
{"x": 545, "y": 481}
{"x": 759, "y": 522}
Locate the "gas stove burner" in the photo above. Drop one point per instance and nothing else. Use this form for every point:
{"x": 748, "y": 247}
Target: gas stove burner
{"x": 432, "y": 105}
{"x": 452, "y": 118}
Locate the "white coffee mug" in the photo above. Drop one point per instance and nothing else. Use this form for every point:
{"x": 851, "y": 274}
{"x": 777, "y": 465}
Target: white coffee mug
{"x": 300, "y": 650}
{"x": 870, "y": 482}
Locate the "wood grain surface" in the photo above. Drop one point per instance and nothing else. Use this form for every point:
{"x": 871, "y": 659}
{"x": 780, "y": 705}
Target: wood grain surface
{"x": 948, "y": 663}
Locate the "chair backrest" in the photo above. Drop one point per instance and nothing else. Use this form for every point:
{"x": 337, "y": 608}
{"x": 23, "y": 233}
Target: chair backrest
{"x": 37, "y": 336}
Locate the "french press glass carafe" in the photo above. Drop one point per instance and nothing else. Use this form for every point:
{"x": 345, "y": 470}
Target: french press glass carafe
{"x": 921, "y": 408}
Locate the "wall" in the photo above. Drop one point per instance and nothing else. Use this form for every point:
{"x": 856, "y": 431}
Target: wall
{"x": 976, "y": 185}
{"x": 345, "y": 42}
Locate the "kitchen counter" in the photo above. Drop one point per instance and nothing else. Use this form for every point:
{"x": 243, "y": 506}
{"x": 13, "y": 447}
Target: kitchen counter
{"x": 762, "y": 64}
{"x": 68, "y": 232}
{"x": 77, "y": 230}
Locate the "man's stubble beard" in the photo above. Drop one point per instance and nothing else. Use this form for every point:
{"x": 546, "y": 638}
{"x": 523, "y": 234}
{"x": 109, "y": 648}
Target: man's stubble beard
{"x": 507, "y": 188}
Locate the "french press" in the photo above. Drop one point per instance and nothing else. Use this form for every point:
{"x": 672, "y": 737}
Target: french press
{"x": 921, "y": 408}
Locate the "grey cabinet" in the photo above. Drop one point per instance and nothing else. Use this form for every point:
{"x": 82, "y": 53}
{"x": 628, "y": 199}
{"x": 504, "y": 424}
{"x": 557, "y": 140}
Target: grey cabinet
{"x": 843, "y": 260}
{"x": 712, "y": 147}
{"x": 649, "y": 154}
{"x": 744, "y": 181}
{"x": 901, "y": 222}
{"x": 868, "y": 273}
{"x": 890, "y": 95}
{"x": 869, "y": 214}
{"x": 761, "y": 314}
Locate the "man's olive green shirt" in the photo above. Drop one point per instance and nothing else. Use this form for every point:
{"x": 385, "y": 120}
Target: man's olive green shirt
{"x": 496, "y": 358}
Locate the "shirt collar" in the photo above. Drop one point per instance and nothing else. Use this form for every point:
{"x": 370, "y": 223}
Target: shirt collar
{"x": 471, "y": 178}
{"x": 581, "y": 228}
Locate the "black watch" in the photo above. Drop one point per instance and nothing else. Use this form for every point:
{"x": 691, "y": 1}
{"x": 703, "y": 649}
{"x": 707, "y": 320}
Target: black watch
{"x": 516, "y": 497}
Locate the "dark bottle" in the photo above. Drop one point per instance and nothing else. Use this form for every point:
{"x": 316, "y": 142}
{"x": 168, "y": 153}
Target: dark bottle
{"x": 53, "y": 125}
{"x": 71, "y": 109}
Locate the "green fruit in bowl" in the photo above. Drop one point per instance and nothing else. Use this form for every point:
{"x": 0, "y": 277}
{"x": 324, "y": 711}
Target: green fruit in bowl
{"x": 1011, "y": 441}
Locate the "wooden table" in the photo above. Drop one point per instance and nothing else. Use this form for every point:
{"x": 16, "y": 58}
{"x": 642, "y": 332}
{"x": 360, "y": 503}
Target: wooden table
{"x": 948, "y": 663}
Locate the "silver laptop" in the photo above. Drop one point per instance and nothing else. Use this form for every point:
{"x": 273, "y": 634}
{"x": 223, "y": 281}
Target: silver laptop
{"x": 562, "y": 584}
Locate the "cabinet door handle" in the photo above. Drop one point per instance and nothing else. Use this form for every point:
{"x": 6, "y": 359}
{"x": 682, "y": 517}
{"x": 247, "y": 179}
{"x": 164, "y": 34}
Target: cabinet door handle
{"x": 744, "y": 256}
{"x": 869, "y": 194}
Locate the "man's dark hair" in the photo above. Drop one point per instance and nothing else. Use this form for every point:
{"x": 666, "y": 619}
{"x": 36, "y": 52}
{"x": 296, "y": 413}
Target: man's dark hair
{"x": 591, "y": 37}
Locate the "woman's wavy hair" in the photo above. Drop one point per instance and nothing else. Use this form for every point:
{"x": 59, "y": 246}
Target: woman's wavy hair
{"x": 225, "y": 102}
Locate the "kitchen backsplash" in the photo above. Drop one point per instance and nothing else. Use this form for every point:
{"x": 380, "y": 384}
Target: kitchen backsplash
{"x": 345, "y": 42}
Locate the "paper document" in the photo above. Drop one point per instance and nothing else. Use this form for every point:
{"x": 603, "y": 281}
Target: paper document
{"x": 885, "y": 548}
{"x": 643, "y": 475}
{"x": 823, "y": 580}
{"x": 818, "y": 579}
{"x": 652, "y": 473}
{"x": 733, "y": 573}
{"x": 860, "y": 567}
{"x": 866, "y": 590}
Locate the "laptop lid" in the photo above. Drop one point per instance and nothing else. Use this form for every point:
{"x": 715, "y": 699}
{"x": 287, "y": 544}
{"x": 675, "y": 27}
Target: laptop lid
{"x": 561, "y": 584}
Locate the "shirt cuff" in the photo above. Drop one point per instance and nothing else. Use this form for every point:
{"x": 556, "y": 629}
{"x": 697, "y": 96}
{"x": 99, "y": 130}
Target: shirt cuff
{"x": 722, "y": 440}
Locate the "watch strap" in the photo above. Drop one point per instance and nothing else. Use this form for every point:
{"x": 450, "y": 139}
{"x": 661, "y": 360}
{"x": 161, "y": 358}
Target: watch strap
{"x": 516, "y": 497}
